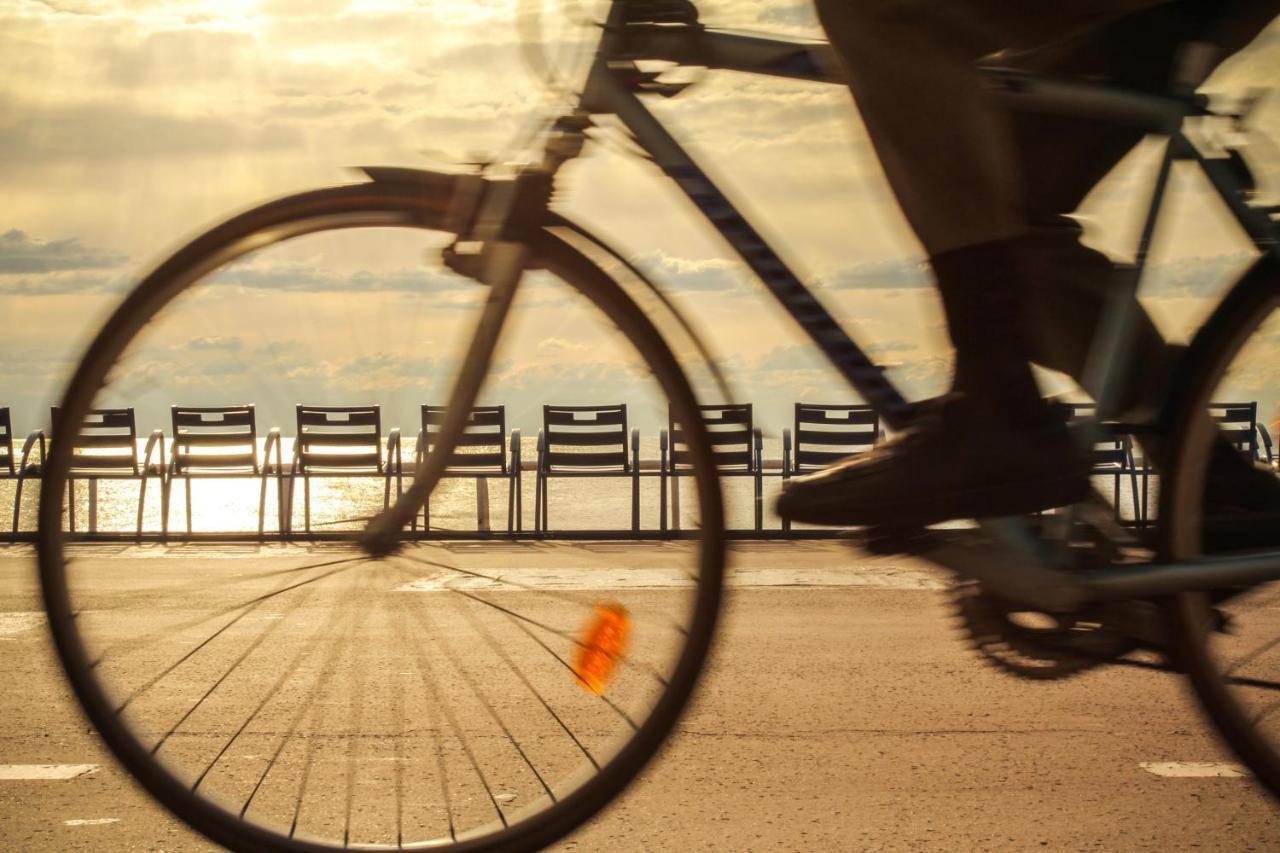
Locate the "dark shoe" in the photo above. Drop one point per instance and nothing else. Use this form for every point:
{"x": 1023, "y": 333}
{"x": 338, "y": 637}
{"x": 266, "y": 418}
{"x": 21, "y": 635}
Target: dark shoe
{"x": 960, "y": 460}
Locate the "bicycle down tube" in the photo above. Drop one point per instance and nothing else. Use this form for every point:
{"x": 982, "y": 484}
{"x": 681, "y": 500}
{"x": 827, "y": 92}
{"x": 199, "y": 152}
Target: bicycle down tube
{"x": 607, "y": 92}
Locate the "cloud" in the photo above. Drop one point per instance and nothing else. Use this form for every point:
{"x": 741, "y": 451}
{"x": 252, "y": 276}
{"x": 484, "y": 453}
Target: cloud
{"x": 1194, "y": 277}
{"x": 302, "y": 278}
{"x": 216, "y": 342}
{"x": 897, "y": 273}
{"x": 689, "y": 274}
{"x": 19, "y": 253}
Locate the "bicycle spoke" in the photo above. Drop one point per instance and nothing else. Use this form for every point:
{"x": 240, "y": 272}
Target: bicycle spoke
{"x": 428, "y": 675}
{"x": 323, "y": 678}
{"x": 568, "y": 666}
{"x": 162, "y": 633}
{"x": 506, "y": 659}
{"x": 353, "y": 626}
{"x": 485, "y": 701}
{"x": 1252, "y": 656}
{"x": 270, "y": 694}
{"x": 218, "y": 683}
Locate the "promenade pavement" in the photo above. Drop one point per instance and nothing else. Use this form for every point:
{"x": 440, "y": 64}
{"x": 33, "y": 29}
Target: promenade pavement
{"x": 841, "y": 712}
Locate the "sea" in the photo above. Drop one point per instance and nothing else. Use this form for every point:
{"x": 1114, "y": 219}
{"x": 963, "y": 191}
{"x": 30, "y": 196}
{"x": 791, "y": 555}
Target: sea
{"x": 462, "y": 504}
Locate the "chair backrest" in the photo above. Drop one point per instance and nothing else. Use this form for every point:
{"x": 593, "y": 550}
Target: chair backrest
{"x": 214, "y": 438}
{"x": 480, "y": 450}
{"x": 340, "y": 438}
{"x": 729, "y": 429}
{"x": 1238, "y": 424}
{"x": 107, "y": 441}
{"x": 585, "y": 438}
{"x": 1110, "y": 450}
{"x": 6, "y": 442}
{"x": 827, "y": 434}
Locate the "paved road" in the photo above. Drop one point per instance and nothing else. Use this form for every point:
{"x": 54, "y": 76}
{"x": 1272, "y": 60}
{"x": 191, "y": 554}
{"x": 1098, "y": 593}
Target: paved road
{"x": 841, "y": 713}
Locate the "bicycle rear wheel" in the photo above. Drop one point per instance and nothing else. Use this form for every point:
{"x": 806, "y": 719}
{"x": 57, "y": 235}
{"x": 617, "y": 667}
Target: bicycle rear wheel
{"x": 1212, "y": 503}
{"x": 253, "y": 667}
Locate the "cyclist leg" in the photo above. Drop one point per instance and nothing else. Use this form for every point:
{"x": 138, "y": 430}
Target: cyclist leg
{"x": 1063, "y": 158}
{"x": 948, "y": 152}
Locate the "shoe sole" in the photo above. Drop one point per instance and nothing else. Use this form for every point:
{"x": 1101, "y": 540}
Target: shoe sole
{"x": 987, "y": 502}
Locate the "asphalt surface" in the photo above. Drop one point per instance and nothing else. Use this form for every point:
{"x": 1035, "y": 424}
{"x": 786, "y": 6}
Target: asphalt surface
{"x": 841, "y": 711}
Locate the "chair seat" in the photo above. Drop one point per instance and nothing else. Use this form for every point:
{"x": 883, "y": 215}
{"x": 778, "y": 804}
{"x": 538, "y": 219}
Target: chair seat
{"x": 243, "y": 471}
{"x": 78, "y": 473}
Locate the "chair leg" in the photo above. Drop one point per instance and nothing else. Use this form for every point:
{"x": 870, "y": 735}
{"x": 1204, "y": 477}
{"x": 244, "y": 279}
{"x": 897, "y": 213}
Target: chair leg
{"x": 284, "y": 504}
{"x": 662, "y": 500}
{"x": 17, "y": 505}
{"x": 142, "y": 505}
{"x": 262, "y": 509}
{"x": 786, "y": 522}
{"x": 537, "y": 505}
{"x": 165, "y": 488}
{"x": 1133, "y": 494}
{"x": 306, "y": 504}
{"x": 635, "y": 501}
{"x": 675, "y": 501}
{"x": 187, "y": 490}
{"x": 759, "y": 486}
{"x": 519, "y": 487}
{"x": 511, "y": 505}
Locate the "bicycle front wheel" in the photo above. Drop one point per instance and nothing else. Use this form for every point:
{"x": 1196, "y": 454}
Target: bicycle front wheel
{"x": 1221, "y": 496}
{"x": 238, "y": 650}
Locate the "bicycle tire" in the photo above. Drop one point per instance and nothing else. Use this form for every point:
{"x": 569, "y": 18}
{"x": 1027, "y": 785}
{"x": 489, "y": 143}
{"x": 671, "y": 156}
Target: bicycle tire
{"x": 1210, "y": 651}
{"x": 416, "y": 201}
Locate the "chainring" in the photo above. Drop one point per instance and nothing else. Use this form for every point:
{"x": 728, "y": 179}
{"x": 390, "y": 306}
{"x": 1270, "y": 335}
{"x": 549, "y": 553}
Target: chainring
{"x": 1035, "y": 645}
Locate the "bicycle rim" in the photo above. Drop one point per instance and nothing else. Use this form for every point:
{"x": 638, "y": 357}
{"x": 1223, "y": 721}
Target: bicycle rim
{"x": 290, "y": 696}
{"x": 1229, "y": 639}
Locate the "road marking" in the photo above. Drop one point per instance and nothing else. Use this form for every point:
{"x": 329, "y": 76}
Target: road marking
{"x": 1194, "y": 769}
{"x": 512, "y": 580}
{"x": 25, "y": 772}
{"x": 20, "y": 620}
{"x": 94, "y": 821}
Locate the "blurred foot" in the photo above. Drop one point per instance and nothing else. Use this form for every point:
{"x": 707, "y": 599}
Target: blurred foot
{"x": 960, "y": 460}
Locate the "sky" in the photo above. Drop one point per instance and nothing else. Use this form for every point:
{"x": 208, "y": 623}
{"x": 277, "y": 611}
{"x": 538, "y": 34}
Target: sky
{"x": 126, "y": 128}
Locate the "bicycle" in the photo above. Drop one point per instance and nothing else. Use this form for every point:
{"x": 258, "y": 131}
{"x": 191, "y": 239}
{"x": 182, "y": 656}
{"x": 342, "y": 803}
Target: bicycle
{"x": 239, "y": 750}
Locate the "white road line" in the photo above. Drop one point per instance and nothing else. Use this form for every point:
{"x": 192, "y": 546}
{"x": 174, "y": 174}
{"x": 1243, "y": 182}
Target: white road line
{"x": 93, "y": 821}
{"x": 29, "y": 772}
{"x": 512, "y": 580}
{"x": 1194, "y": 769}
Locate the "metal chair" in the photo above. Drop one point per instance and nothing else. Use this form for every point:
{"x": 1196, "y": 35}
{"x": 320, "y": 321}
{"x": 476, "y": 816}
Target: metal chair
{"x": 736, "y": 444}
{"x": 341, "y": 441}
{"x": 18, "y": 467}
{"x": 825, "y": 434}
{"x": 1113, "y": 457}
{"x": 222, "y": 442}
{"x": 585, "y": 441}
{"x": 480, "y": 455}
{"x": 106, "y": 448}
{"x": 1238, "y": 423}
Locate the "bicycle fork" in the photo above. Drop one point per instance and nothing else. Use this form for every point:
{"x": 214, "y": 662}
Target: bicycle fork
{"x": 494, "y": 220}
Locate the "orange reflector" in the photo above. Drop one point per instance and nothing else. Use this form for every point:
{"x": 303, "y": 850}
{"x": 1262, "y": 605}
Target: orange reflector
{"x": 603, "y": 643}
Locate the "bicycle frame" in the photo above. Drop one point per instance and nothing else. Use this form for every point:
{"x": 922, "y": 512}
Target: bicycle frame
{"x": 613, "y": 85}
